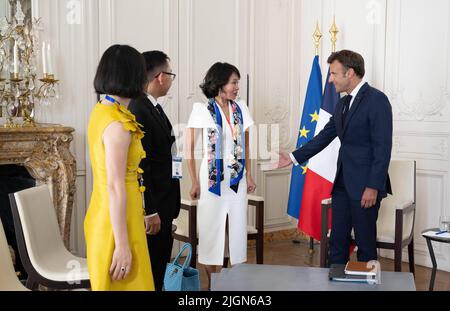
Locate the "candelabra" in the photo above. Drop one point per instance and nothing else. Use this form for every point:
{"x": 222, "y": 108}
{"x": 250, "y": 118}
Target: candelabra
{"x": 19, "y": 89}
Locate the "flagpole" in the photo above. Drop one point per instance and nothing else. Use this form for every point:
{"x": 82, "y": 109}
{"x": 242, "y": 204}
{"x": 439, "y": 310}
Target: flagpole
{"x": 317, "y": 36}
{"x": 334, "y": 32}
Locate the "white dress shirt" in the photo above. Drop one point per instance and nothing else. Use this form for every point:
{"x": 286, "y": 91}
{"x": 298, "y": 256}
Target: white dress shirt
{"x": 152, "y": 99}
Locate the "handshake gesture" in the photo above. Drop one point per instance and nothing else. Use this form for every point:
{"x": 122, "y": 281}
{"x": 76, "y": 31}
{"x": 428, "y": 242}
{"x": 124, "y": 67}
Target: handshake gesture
{"x": 280, "y": 160}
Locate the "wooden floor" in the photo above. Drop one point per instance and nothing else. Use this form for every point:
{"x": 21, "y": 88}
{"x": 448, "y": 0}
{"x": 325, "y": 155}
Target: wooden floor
{"x": 291, "y": 254}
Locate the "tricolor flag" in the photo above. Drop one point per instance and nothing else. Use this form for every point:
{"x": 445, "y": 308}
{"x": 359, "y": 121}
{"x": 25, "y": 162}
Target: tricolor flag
{"x": 308, "y": 124}
{"x": 321, "y": 170}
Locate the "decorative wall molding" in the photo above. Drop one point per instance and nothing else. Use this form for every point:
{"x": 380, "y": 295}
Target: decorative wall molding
{"x": 432, "y": 146}
{"x": 189, "y": 52}
{"x": 420, "y": 109}
{"x": 435, "y": 196}
{"x": 275, "y": 188}
{"x": 426, "y": 101}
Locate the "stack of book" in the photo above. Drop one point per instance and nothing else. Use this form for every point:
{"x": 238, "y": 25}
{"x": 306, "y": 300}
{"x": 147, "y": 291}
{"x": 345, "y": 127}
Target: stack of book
{"x": 356, "y": 271}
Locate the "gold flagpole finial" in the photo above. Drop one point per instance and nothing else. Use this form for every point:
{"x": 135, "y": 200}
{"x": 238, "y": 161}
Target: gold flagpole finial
{"x": 334, "y": 32}
{"x": 317, "y": 36}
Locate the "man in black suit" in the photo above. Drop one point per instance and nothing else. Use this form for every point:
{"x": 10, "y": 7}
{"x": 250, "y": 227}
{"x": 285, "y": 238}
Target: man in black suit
{"x": 162, "y": 194}
{"x": 363, "y": 122}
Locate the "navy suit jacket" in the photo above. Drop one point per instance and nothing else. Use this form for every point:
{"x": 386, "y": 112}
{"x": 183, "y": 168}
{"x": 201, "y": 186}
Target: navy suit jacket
{"x": 366, "y": 143}
{"x": 162, "y": 194}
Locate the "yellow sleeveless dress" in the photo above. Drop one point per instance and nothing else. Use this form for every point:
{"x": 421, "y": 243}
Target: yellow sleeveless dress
{"x": 97, "y": 224}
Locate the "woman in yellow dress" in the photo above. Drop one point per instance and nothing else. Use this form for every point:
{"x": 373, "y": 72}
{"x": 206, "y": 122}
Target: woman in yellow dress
{"x": 117, "y": 252}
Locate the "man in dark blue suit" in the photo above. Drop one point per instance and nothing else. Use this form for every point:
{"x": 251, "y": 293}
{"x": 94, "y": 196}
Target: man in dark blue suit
{"x": 162, "y": 194}
{"x": 363, "y": 122}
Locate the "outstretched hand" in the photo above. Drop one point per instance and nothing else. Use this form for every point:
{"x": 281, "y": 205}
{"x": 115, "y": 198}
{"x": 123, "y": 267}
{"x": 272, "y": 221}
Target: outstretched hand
{"x": 284, "y": 160}
{"x": 279, "y": 160}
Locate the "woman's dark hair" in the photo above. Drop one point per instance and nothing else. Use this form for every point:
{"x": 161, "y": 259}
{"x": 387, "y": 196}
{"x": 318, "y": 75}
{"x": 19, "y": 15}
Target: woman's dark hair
{"x": 349, "y": 59}
{"x": 217, "y": 77}
{"x": 121, "y": 72}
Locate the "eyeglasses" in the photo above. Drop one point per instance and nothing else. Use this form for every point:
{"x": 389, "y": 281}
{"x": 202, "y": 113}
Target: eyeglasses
{"x": 173, "y": 75}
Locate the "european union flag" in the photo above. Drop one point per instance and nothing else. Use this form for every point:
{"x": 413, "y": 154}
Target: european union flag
{"x": 310, "y": 116}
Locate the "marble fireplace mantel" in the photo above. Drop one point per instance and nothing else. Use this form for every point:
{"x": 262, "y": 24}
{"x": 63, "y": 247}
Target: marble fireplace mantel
{"x": 44, "y": 152}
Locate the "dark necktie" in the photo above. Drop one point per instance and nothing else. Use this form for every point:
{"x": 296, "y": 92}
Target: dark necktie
{"x": 347, "y": 100}
{"x": 163, "y": 116}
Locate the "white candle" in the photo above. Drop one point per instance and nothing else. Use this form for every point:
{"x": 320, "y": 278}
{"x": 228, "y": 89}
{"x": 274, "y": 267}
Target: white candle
{"x": 16, "y": 58}
{"x": 44, "y": 59}
{"x": 49, "y": 60}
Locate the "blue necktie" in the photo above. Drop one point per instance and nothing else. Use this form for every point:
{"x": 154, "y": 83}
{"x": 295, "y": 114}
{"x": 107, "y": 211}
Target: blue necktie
{"x": 347, "y": 100}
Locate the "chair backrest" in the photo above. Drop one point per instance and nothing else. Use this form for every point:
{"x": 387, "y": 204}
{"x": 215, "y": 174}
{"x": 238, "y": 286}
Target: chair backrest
{"x": 39, "y": 224}
{"x": 403, "y": 180}
{"x": 8, "y": 277}
{"x": 402, "y": 174}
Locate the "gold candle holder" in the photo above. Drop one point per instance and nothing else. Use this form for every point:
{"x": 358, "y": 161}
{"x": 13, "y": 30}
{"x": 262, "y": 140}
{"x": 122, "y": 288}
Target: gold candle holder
{"x": 15, "y": 77}
{"x": 49, "y": 78}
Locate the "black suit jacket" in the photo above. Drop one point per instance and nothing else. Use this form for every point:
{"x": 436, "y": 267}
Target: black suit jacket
{"x": 366, "y": 142}
{"x": 162, "y": 194}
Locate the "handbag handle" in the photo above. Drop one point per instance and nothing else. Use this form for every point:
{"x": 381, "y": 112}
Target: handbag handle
{"x": 187, "y": 262}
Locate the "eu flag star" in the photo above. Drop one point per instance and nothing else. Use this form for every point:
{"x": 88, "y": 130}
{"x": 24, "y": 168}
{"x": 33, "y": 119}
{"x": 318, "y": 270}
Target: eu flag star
{"x": 305, "y": 169}
{"x": 315, "y": 117}
{"x": 304, "y": 132}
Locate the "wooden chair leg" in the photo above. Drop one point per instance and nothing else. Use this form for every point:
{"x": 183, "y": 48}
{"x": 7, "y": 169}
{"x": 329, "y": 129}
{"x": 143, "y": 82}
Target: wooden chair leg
{"x": 31, "y": 284}
{"x": 411, "y": 257}
{"x": 260, "y": 250}
{"x": 193, "y": 243}
{"x": 260, "y": 236}
{"x": 225, "y": 262}
{"x": 324, "y": 240}
{"x": 323, "y": 252}
{"x": 398, "y": 258}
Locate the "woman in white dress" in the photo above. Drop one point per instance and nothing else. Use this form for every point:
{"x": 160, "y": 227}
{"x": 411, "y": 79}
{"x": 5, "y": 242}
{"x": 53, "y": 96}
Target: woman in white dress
{"x": 225, "y": 175}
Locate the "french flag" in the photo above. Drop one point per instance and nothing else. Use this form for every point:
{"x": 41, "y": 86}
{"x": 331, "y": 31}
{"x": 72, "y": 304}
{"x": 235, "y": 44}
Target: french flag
{"x": 321, "y": 171}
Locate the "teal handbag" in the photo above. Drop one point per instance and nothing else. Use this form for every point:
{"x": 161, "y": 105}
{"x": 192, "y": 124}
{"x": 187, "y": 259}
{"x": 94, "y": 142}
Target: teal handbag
{"x": 182, "y": 278}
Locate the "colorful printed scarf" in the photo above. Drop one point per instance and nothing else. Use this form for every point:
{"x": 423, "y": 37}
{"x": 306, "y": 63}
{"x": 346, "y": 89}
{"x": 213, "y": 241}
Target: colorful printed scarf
{"x": 215, "y": 159}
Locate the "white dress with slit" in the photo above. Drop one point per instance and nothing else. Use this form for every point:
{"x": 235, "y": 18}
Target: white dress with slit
{"x": 212, "y": 210}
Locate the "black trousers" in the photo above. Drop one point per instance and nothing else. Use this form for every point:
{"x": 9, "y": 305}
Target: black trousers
{"x": 347, "y": 214}
{"x": 160, "y": 249}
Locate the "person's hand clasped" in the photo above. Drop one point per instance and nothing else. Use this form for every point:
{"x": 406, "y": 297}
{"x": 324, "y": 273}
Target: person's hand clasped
{"x": 152, "y": 224}
{"x": 121, "y": 263}
{"x": 369, "y": 198}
